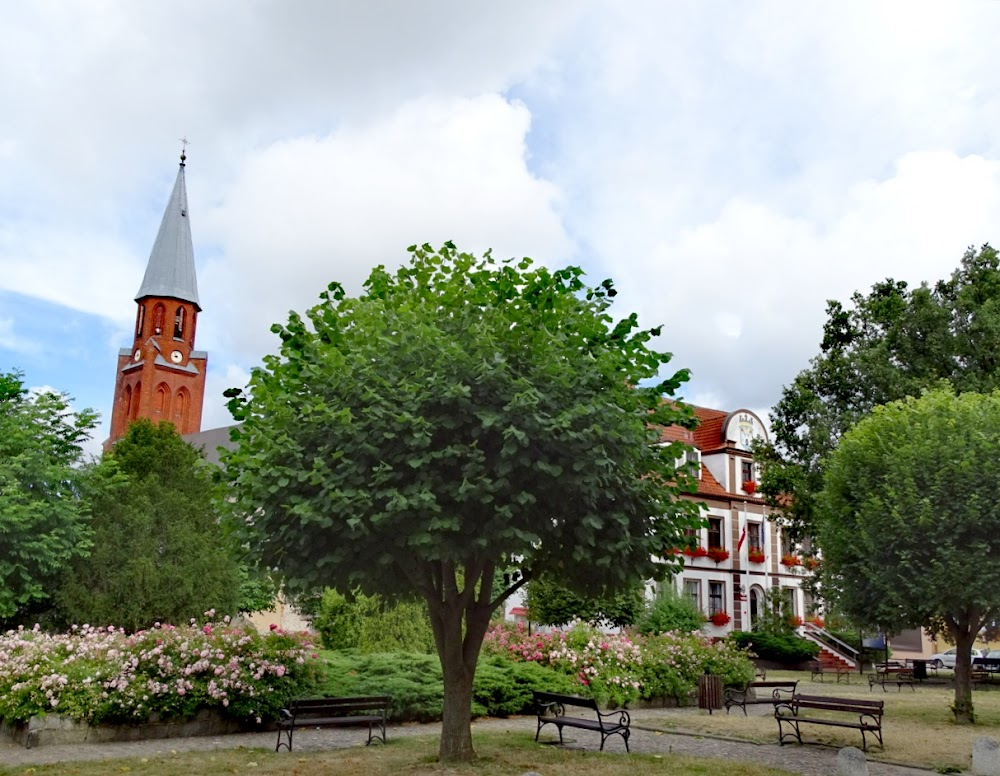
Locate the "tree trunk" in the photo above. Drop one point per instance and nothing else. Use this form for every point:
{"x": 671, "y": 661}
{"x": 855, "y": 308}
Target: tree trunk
{"x": 965, "y": 636}
{"x": 458, "y": 658}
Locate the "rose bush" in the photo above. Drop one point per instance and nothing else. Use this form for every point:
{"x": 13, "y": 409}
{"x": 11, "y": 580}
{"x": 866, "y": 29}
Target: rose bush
{"x": 105, "y": 675}
{"x": 615, "y": 669}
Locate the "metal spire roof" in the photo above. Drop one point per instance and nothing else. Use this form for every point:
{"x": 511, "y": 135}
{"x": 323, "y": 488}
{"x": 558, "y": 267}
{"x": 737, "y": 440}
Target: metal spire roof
{"x": 170, "y": 271}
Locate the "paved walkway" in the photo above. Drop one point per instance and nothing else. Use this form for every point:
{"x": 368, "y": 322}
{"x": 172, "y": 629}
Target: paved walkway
{"x": 810, "y": 760}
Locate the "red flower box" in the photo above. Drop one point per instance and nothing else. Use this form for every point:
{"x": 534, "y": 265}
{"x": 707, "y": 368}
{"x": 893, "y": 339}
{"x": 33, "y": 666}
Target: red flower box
{"x": 697, "y": 552}
{"x": 718, "y": 554}
{"x": 749, "y": 486}
{"x": 719, "y": 619}
{"x": 810, "y": 563}
{"x": 756, "y": 556}
{"x": 817, "y": 621}
{"x": 795, "y": 621}
{"x": 790, "y": 561}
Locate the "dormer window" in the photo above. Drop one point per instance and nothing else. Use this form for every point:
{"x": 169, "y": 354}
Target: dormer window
{"x": 692, "y": 458}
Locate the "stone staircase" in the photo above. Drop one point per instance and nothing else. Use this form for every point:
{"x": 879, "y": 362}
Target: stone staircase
{"x": 830, "y": 656}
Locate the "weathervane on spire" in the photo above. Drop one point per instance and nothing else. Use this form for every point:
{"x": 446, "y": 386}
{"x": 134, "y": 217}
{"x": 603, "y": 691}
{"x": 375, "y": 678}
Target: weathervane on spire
{"x": 184, "y": 144}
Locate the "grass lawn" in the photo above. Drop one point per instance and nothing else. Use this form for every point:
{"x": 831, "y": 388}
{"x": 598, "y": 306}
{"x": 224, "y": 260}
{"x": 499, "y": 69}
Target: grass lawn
{"x": 917, "y": 726}
{"x": 500, "y": 754}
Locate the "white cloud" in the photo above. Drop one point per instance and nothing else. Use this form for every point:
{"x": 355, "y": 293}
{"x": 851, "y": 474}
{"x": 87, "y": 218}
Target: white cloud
{"x": 11, "y": 340}
{"x": 313, "y": 210}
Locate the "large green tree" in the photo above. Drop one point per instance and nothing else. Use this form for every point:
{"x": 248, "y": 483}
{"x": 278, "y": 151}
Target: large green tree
{"x": 460, "y": 415}
{"x": 909, "y": 520}
{"x": 42, "y": 520}
{"x": 889, "y": 344}
{"x": 159, "y": 552}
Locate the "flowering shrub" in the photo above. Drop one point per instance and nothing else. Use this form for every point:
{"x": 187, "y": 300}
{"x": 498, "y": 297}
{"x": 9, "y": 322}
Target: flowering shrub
{"x": 794, "y": 620}
{"x": 672, "y": 663}
{"x": 817, "y": 621}
{"x": 616, "y": 669}
{"x": 104, "y": 675}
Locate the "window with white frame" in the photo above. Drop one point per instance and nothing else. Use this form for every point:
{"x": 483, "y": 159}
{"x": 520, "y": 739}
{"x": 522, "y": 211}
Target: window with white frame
{"x": 692, "y": 591}
{"x": 755, "y": 536}
{"x": 716, "y": 597}
{"x": 715, "y": 532}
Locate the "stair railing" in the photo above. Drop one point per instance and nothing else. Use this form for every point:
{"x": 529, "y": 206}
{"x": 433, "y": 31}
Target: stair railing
{"x": 827, "y": 639}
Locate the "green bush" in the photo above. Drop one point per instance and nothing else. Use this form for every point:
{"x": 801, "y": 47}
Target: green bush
{"x": 369, "y": 625}
{"x": 779, "y": 647}
{"x": 502, "y": 687}
{"x": 671, "y": 611}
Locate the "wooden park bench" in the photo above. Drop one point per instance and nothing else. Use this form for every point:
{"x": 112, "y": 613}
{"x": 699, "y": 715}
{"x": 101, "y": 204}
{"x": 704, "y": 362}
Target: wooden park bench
{"x": 891, "y": 673}
{"x": 817, "y": 710}
{"x": 371, "y": 710}
{"x": 817, "y": 669}
{"x": 551, "y": 708}
{"x": 741, "y": 695}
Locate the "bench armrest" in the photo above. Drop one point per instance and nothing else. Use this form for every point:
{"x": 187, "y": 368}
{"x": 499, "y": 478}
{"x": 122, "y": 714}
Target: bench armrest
{"x": 623, "y": 717}
{"x": 286, "y": 716}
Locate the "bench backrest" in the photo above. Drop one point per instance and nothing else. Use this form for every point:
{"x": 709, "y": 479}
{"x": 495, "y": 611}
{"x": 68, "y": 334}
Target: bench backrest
{"x": 543, "y": 698}
{"x": 789, "y": 685}
{"x": 826, "y": 703}
{"x": 347, "y": 705}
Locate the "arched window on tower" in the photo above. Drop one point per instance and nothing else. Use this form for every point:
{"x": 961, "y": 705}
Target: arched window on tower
{"x": 158, "y": 313}
{"x": 180, "y": 406}
{"x": 139, "y": 319}
{"x": 135, "y": 402}
{"x": 126, "y": 401}
{"x": 162, "y": 403}
{"x": 179, "y": 324}
{"x": 194, "y": 322}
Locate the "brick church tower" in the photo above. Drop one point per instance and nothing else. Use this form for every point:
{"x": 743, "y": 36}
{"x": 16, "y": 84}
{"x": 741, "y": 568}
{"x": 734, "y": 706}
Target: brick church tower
{"x": 161, "y": 376}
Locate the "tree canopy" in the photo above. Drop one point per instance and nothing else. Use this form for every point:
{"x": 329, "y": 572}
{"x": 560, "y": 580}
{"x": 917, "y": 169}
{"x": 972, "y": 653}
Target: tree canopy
{"x": 159, "y": 552}
{"x": 889, "y": 344}
{"x": 909, "y": 520}
{"x": 461, "y": 415}
{"x": 42, "y": 520}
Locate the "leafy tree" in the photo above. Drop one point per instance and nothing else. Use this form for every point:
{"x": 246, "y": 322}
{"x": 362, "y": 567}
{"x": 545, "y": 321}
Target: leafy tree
{"x": 42, "y": 520}
{"x": 909, "y": 520}
{"x": 887, "y": 345}
{"x": 459, "y": 415}
{"x": 670, "y": 611}
{"x": 550, "y": 603}
{"x": 159, "y": 552}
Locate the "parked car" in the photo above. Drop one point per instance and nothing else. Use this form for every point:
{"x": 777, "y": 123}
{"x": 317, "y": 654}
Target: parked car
{"x": 946, "y": 659}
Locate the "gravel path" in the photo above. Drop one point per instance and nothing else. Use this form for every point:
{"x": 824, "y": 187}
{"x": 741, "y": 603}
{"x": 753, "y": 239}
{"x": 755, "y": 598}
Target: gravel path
{"x": 810, "y": 760}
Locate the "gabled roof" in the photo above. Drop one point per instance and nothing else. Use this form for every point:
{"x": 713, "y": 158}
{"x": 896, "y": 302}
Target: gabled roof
{"x": 708, "y": 434}
{"x": 170, "y": 271}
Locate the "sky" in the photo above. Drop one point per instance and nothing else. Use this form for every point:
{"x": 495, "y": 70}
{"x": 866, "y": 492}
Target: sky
{"x": 731, "y": 165}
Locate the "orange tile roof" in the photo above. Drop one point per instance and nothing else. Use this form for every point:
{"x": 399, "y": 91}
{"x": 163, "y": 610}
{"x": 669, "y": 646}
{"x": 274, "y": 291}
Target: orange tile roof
{"x": 708, "y": 434}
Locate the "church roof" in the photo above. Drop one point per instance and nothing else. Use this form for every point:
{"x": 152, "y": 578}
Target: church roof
{"x": 170, "y": 271}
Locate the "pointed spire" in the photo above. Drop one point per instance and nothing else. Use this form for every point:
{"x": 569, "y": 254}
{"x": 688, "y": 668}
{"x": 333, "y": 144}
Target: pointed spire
{"x": 170, "y": 271}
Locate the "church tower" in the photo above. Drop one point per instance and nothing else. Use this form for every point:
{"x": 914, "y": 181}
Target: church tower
{"x": 161, "y": 376}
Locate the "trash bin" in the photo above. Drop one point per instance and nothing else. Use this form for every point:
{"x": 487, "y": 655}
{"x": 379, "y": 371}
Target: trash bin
{"x": 709, "y": 692}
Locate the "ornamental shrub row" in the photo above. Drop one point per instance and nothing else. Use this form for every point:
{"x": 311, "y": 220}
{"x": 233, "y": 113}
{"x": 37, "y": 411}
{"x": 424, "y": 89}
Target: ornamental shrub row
{"x": 779, "y": 647}
{"x": 104, "y": 675}
{"x": 414, "y": 681}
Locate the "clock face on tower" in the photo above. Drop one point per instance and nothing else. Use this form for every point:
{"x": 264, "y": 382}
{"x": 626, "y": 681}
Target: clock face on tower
{"x": 138, "y": 355}
{"x": 176, "y": 356}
